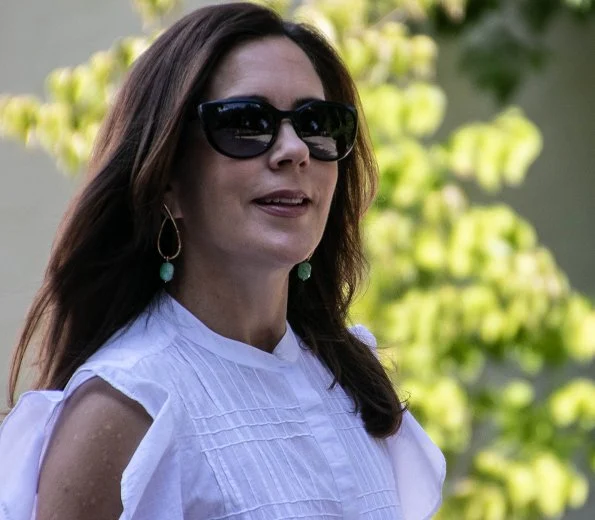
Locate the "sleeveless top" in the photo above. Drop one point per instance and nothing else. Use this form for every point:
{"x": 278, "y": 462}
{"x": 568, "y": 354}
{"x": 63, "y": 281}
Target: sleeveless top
{"x": 237, "y": 433}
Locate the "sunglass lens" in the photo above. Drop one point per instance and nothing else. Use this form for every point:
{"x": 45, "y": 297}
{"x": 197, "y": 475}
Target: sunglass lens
{"x": 328, "y": 130}
{"x": 240, "y": 129}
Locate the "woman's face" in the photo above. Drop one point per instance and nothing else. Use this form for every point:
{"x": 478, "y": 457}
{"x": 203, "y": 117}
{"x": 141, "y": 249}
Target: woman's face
{"x": 221, "y": 200}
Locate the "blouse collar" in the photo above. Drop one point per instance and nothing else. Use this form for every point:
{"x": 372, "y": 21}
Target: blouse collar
{"x": 183, "y": 322}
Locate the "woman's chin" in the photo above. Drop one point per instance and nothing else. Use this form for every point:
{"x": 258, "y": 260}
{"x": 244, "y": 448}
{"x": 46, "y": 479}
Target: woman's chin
{"x": 287, "y": 261}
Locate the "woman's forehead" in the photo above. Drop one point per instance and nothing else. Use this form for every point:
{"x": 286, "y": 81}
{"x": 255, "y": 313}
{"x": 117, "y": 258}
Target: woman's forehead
{"x": 274, "y": 68}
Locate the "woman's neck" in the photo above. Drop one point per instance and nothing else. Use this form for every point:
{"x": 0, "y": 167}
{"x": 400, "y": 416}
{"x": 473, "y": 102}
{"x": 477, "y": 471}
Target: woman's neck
{"x": 247, "y": 307}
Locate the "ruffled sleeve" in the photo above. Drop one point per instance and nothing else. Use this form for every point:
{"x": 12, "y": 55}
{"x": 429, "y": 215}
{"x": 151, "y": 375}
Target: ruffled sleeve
{"x": 419, "y": 468}
{"x": 150, "y": 485}
{"x": 419, "y": 465}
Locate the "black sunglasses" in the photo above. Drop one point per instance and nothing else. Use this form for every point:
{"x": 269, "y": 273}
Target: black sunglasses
{"x": 246, "y": 128}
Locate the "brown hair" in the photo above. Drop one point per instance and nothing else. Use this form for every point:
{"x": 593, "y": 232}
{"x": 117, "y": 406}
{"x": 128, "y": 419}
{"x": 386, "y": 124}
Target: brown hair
{"x": 103, "y": 269}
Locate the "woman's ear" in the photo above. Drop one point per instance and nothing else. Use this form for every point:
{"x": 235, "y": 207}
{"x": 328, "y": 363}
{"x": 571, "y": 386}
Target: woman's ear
{"x": 172, "y": 199}
{"x": 183, "y": 167}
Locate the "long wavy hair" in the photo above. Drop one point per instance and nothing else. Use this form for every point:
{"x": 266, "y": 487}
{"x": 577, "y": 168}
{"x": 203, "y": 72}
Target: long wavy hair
{"x": 102, "y": 270}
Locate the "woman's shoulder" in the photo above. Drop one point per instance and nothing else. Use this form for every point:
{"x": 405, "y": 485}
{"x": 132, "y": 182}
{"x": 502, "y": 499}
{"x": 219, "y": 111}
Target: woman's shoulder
{"x": 138, "y": 361}
{"x": 364, "y": 334}
{"x": 146, "y": 336}
{"x": 94, "y": 439}
{"x": 412, "y": 452}
{"x": 125, "y": 423}
{"x": 117, "y": 406}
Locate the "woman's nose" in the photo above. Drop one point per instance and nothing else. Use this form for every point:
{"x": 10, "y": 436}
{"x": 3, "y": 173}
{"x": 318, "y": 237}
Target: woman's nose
{"x": 288, "y": 147}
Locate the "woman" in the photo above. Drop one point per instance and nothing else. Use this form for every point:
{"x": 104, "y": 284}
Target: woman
{"x": 194, "y": 358}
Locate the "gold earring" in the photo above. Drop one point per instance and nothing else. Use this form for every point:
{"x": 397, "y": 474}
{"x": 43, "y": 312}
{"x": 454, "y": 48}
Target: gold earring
{"x": 166, "y": 271}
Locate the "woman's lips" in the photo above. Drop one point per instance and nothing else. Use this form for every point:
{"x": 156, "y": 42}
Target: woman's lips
{"x": 283, "y": 209}
{"x": 284, "y": 203}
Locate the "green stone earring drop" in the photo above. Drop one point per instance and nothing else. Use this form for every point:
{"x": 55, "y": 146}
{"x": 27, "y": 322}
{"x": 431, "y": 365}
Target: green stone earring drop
{"x": 304, "y": 269}
{"x": 166, "y": 271}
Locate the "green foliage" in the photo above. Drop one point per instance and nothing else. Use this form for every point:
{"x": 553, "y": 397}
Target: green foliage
{"x": 502, "y": 41}
{"x": 156, "y": 11}
{"x": 463, "y": 298}
{"x": 66, "y": 125}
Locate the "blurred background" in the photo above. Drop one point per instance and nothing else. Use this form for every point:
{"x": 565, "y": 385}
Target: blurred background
{"x": 481, "y": 241}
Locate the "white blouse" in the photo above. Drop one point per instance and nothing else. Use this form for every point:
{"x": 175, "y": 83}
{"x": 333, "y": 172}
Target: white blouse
{"x": 237, "y": 433}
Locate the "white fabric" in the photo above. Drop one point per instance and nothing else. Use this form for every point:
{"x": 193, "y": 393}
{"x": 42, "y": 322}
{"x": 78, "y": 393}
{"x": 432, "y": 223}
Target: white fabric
{"x": 237, "y": 433}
